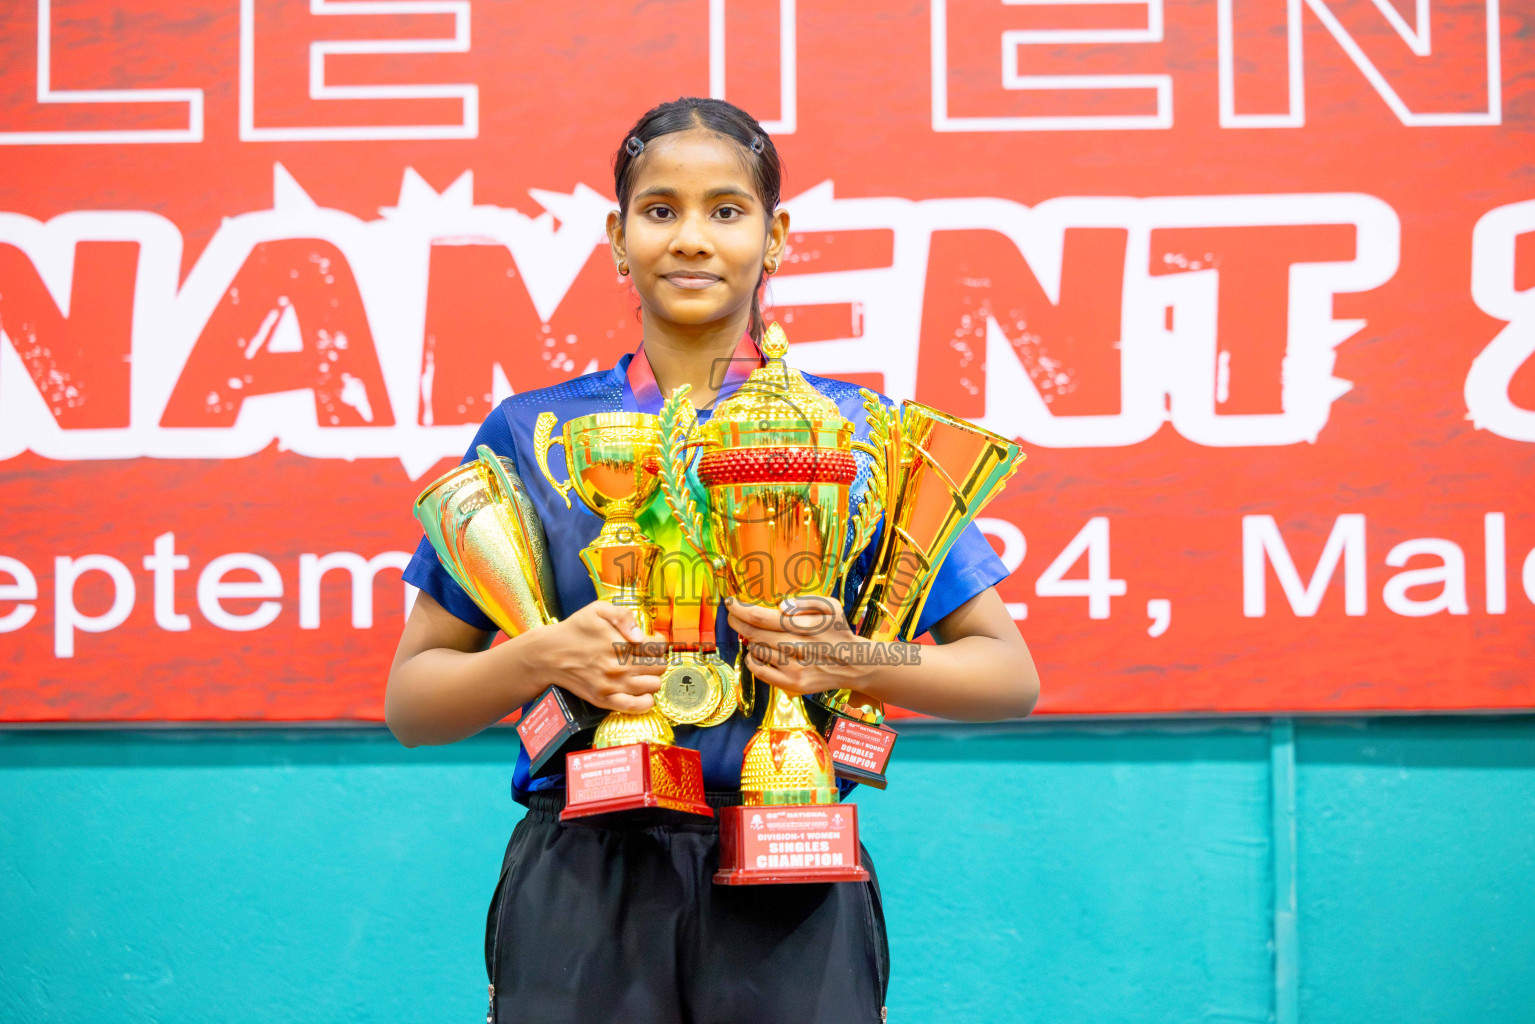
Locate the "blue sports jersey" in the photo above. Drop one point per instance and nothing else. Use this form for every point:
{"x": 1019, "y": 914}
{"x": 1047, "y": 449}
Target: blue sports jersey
{"x": 970, "y": 568}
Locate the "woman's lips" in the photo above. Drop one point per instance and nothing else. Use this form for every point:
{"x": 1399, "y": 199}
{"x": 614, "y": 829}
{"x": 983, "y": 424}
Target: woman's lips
{"x": 692, "y": 281}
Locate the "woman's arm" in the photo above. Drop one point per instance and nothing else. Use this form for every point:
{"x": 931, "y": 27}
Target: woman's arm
{"x": 446, "y": 683}
{"x": 980, "y": 671}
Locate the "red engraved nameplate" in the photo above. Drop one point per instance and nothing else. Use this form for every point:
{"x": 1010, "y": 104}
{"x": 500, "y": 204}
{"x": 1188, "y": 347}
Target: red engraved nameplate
{"x": 636, "y": 784}
{"x": 799, "y": 843}
{"x": 860, "y": 751}
{"x": 557, "y": 723}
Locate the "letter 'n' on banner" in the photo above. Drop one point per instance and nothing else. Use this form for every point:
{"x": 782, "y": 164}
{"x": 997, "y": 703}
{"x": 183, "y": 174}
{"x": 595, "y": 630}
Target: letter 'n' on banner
{"x": 1026, "y": 327}
{"x": 1442, "y": 69}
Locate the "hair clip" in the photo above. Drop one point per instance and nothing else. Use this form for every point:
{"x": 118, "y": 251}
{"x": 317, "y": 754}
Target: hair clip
{"x": 758, "y": 144}
{"x": 635, "y": 145}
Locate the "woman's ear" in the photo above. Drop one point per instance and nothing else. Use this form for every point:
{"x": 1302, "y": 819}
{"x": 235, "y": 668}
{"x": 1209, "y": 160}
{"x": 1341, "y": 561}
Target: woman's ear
{"x": 616, "y": 237}
{"x": 778, "y": 238}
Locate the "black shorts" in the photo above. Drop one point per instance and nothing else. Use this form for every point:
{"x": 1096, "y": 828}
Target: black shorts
{"x": 625, "y": 925}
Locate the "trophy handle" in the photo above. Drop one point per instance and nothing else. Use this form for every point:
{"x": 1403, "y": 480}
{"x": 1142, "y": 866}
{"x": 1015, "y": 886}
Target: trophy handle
{"x": 678, "y": 422}
{"x": 869, "y": 509}
{"x": 543, "y": 440}
{"x": 884, "y": 434}
{"x": 489, "y": 461}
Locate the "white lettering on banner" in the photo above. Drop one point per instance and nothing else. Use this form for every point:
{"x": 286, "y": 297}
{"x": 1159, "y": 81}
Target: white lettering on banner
{"x": 212, "y": 588}
{"x": 1159, "y": 364}
{"x": 164, "y": 563}
{"x": 468, "y": 96}
{"x": 1493, "y": 289}
{"x": 1093, "y": 541}
{"x": 1261, "y": 59}
{"x": 311, "y": 568}
{"x": 1259, "y": 42}
{"x": 1160, "y": 85}
{"x": 1450, "y": 574}
{"x": 1262, "y": 546}
{"x": 49, "y": 96}
{"x": 1262, "y": 541}
{"x": 1168, "y": 353}
{"x": 1494, "y": 553}
{"x": 788, "y": 101}
{"x": 67, "y": 618}
{"x": 22, "y": 589}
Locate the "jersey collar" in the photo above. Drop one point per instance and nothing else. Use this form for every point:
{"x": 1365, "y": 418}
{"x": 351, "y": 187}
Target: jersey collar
{"x": 643, "y": 394}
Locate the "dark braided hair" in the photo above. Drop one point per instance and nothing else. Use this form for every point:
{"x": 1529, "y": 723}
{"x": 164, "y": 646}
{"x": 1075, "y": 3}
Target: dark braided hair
{"x": 721, "y": 118}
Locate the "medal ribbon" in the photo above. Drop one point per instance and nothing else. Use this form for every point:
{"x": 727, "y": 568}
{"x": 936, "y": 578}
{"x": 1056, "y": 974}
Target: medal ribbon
{"x": 643, "y": 394}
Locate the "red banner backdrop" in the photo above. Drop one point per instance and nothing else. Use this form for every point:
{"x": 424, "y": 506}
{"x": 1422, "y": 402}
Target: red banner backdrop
{"x": 1253, "y": 282}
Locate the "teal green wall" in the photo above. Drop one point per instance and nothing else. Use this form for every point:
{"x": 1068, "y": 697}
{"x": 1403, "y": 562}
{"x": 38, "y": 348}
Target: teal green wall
{"x": 1049, "y": 872}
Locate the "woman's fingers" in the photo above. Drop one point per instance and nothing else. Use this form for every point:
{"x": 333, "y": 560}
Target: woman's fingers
{"x": 621, "y": 619}
{"x": 770, "y": 637}
{"x": 768, "y": 673}
{"x": 629, "y": 703}
{"x": 641, "y": 684}
{"x": 778, "y": 649}
{"x": 813, "y": 615}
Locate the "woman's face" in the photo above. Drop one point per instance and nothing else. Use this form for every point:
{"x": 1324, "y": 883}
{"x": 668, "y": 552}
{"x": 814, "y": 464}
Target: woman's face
{"x": 696, "y": 236}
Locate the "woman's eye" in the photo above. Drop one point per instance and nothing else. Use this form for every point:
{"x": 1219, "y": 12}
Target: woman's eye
{"x": 727, "y": 213}
{"x": 659, "y": 212}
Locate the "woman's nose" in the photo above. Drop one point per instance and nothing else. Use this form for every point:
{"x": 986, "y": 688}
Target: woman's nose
{"x": 692, "y": 237}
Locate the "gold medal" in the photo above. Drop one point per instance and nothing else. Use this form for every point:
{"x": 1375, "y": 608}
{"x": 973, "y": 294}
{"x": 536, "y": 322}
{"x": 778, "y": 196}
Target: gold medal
{"x": 690, "y": 692}
{"x": 730, "y": 696}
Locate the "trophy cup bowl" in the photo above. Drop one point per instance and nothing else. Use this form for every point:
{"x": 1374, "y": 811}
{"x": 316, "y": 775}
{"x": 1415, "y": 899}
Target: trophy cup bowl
{"x": 775, "y": 476}
{"x": 613, "y": 458}
{"x": 633, "y": 769}
{"x": 949, "y": 469}
{"x": 487, "y": 535}
{"x": 779, "y": 494}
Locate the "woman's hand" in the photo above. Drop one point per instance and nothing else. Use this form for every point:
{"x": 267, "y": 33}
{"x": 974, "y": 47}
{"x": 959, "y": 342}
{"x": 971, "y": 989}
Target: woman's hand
{"x": 804, "y": 648}
{"x": 592, "y": 654}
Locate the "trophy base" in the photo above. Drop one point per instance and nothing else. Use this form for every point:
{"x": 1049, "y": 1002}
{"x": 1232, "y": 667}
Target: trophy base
{"x": 557, "y": 723}
{"x": 635, "y": 785}
{"x": 860, "y": 752}
{"x": 789, "y": 844}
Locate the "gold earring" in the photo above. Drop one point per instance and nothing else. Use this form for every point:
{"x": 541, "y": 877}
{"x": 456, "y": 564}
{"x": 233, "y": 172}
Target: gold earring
{"x": 623, "y": 268}
{"x": 772, "y": 268}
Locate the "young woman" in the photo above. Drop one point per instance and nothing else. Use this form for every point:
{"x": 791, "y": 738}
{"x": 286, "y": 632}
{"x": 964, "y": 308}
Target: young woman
{"x": 595, "y": 924}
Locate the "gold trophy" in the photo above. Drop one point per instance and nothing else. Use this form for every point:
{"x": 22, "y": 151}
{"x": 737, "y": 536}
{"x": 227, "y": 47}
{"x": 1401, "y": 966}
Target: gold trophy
{"x": 775, "y": 471}
{"x": 487, "y": 535}
{"x": 482, "y": 525}
{"x": 633, "y": 764}
{"x": 940, "y": 472}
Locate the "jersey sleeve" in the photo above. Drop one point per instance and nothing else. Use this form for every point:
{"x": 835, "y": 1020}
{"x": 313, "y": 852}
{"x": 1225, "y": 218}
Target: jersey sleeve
{"x": 970, "y": 568}
{"x": 425, "y": 571}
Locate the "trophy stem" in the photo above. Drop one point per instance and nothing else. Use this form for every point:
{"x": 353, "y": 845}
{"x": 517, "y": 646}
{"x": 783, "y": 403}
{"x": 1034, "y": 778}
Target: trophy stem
{"x": 619, "y": 527}
{"x": 620, "y": 561}
{"x": 786, "y": 761}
